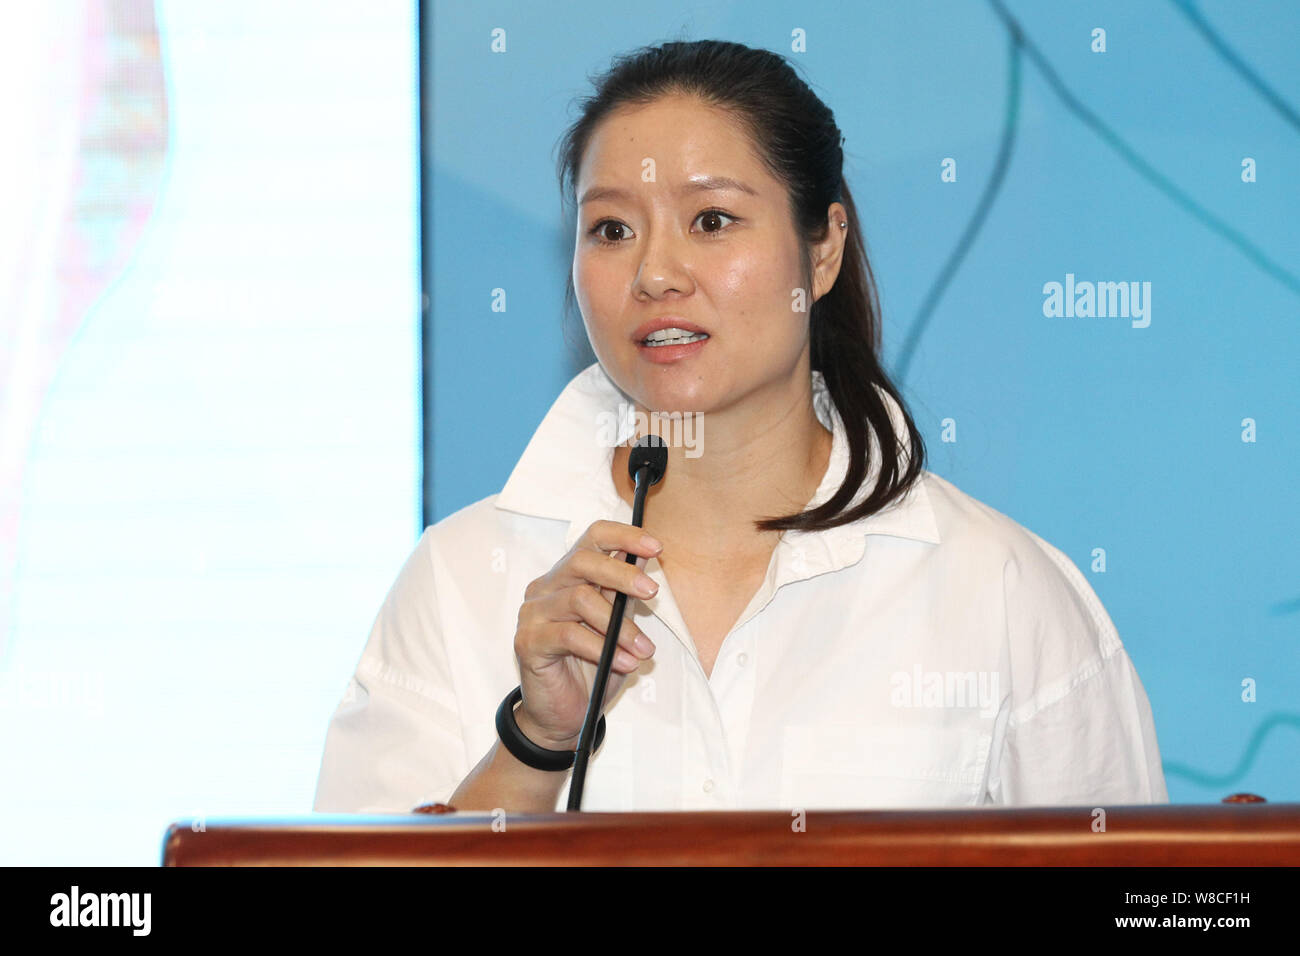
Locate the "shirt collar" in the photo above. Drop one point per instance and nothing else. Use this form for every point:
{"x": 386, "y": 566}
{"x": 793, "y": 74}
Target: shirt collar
{"x": 564, "y": 473}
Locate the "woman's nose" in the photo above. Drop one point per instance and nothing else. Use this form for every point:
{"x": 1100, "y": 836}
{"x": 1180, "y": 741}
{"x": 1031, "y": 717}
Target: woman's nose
{"x": 662, "y": 268}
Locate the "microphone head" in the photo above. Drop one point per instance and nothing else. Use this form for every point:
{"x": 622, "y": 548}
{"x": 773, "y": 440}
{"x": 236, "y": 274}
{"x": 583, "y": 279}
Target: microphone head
{"x": 650, "y": 451}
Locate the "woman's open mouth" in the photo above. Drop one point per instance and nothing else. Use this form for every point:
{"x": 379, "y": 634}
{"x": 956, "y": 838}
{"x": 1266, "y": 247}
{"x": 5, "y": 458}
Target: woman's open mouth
{"x": 669, "y": 345}
{"x": 672, "y": 337}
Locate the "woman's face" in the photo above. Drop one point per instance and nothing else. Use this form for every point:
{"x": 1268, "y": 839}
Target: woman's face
{"x": 678, "y": 220}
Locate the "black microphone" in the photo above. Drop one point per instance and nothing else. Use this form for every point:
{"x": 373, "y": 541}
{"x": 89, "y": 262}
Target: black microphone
{"x": 646, "y": 465}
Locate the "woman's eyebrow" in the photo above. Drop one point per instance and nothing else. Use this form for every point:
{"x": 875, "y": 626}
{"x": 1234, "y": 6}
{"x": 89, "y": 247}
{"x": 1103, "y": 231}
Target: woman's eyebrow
{"x": 694, "y": 185}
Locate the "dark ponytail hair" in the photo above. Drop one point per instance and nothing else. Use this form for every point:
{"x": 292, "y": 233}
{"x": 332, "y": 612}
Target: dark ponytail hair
{"x": 796, "y": 136}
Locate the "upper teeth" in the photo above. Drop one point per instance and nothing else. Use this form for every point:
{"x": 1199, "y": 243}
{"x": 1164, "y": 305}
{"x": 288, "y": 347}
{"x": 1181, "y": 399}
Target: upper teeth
{"x": 667, "y": 335}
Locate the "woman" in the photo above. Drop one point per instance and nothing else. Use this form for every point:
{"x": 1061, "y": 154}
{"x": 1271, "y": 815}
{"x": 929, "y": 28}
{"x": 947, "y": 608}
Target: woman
{"x": 813, "y": 620}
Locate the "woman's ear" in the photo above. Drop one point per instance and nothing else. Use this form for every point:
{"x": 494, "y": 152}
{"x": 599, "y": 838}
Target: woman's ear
{"x": 829, "y": 253}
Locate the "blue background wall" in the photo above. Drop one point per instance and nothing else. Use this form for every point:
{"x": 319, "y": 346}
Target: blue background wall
{"x": 1117, "y": 166}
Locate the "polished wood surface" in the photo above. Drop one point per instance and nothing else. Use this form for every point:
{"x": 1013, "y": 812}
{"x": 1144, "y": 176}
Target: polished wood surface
{"x": 1236, "y": 834}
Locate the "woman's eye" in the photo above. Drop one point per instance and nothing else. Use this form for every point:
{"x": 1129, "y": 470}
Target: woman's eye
{"x": 602, "y": 231}
{"x": 611, "y": 232}
{"x": 710, "y": 215}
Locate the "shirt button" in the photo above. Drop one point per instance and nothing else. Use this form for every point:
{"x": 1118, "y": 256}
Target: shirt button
{"x": 708, "y": 786}
{"x": 742, "y": 658}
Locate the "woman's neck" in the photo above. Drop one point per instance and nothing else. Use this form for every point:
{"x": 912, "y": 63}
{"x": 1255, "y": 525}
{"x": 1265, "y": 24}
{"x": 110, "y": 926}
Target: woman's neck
{"x": 751, "y": 462}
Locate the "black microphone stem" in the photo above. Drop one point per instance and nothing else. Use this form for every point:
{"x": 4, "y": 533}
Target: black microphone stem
{"x": 597, "y": 702}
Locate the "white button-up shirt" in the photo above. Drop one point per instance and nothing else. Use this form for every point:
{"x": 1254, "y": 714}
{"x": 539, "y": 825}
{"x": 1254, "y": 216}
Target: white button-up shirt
{"x": 934, "y": 654}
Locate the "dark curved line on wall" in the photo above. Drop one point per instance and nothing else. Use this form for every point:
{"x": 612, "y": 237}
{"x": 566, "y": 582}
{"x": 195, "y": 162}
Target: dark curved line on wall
{"x": 1287, "y": 607}
{"x": 969, "y": 234}
{"x": 1145, "y": 169}
{"x": 1244, "y": 762}
{"x": 1229, "y": 56}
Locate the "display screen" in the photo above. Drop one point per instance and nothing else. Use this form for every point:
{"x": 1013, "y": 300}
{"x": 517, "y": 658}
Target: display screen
{"x": 209, "y": 401}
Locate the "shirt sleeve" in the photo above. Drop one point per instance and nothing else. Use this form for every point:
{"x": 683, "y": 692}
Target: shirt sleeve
{"x": 1080, "y": 731}
{"x": 394, "y": 742}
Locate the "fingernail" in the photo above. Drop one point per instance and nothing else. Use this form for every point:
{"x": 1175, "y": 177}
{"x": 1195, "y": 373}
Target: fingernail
{"x": 643, "y": 644}
{"x": 651, "y": 544}
{"x": 646, "y": 585}
{"x": 626, "y": 660}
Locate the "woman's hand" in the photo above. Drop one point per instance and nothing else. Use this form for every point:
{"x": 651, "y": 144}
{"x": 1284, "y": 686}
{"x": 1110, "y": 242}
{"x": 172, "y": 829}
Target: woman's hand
{"x": 562, "y": 622}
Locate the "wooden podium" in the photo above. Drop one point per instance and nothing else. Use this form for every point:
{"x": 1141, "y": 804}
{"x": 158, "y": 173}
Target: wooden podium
{"x": 1233, "y": 834}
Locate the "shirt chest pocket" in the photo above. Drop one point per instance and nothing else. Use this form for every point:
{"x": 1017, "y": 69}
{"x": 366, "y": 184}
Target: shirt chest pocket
{"x": 854, "y": 766}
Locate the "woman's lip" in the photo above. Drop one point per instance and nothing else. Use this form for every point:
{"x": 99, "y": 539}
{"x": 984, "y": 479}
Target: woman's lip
{"x": 662, "y": 354}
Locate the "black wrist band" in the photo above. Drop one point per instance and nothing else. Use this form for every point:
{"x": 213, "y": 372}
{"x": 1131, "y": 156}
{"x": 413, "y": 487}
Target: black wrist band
{"x": 524, "y": 750}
